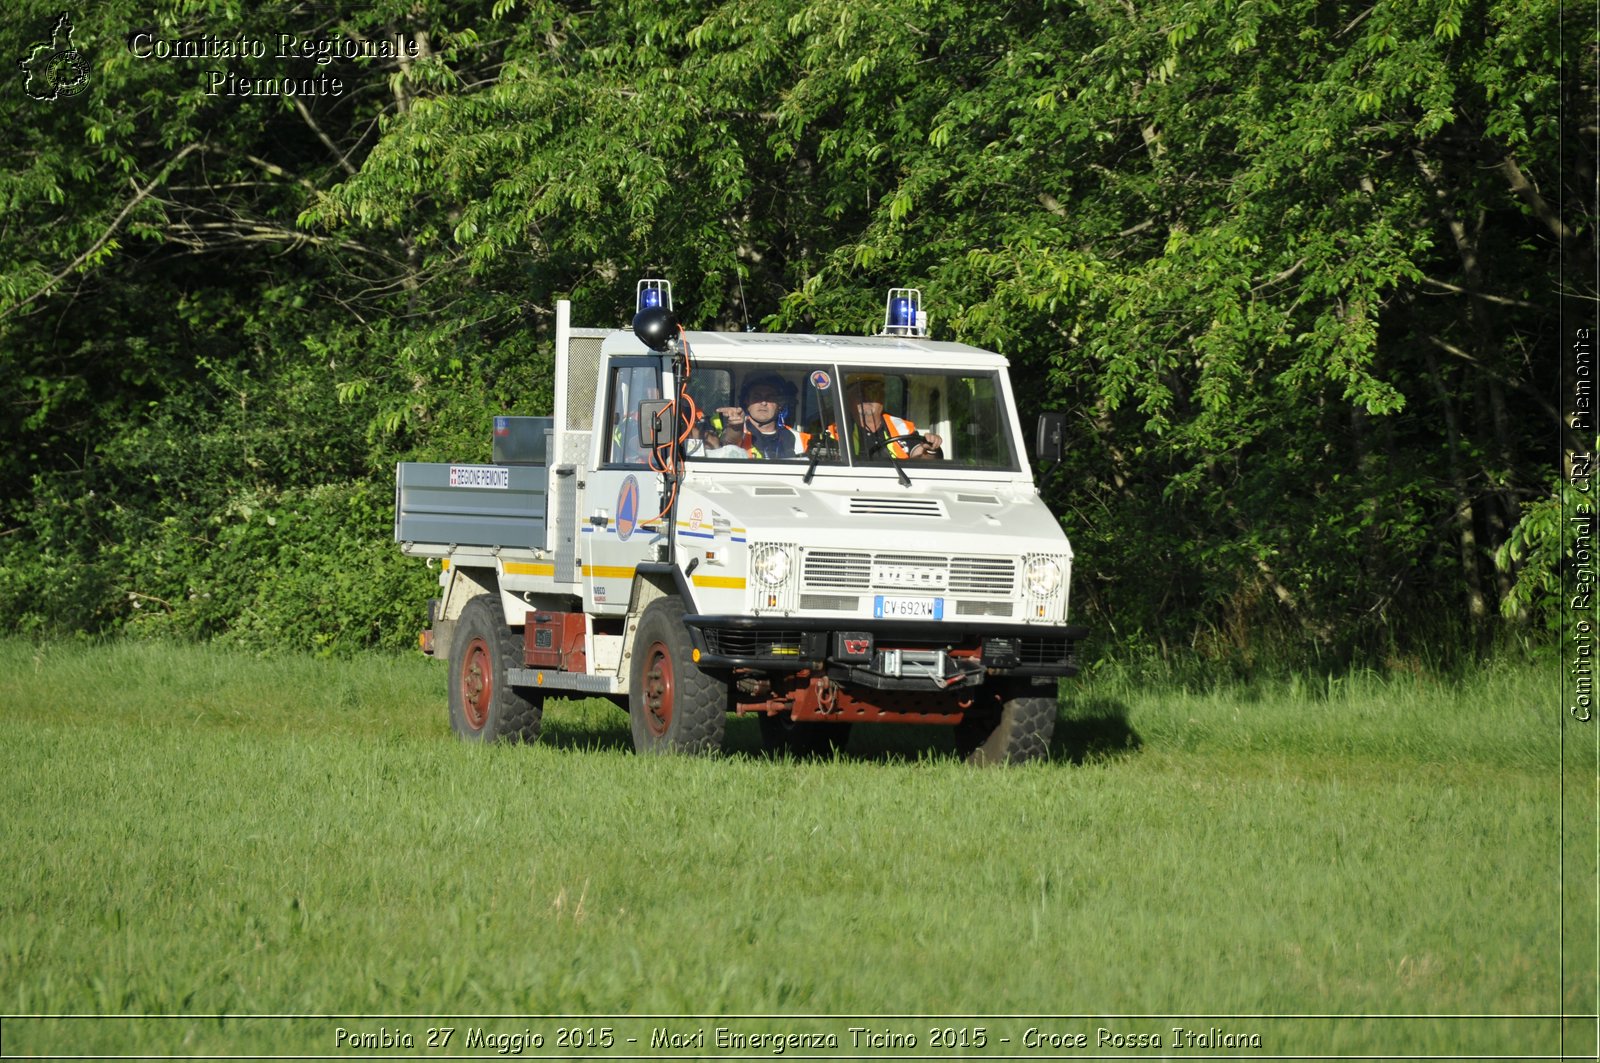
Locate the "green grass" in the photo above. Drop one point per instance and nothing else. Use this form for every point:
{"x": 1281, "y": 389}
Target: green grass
{"x": 194, "y": 831}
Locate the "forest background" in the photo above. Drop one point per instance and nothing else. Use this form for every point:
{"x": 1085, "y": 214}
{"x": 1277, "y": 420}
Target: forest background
{"x": 1304, "y": 275}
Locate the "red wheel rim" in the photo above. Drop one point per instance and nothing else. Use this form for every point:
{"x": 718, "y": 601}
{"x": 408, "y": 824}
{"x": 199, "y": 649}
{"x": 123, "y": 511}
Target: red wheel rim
{"x": 477, "y": 684}
{"x": 658, "y": 689}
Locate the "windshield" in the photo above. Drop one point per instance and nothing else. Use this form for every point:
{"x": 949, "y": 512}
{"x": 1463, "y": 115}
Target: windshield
{"x": 766, "y": 412}
{"x": 805, "y": 412}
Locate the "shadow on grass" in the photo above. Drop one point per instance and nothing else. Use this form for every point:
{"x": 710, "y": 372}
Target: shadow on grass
{"x": 592, "y": 726}
{"x": 1090, "y": 729}
{"x": 1094, "y": 729}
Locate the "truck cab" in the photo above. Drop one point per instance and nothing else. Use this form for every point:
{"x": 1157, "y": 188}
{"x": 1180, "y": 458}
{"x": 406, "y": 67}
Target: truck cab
{"x": 817, "y": 530}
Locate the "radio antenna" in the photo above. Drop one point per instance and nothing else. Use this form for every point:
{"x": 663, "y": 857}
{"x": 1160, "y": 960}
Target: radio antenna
{"x": 744, "y": 307}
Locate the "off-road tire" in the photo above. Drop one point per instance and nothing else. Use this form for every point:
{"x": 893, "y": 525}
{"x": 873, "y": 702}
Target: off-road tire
{"x": 802, "y": 739}
{"x": 483, "y": 706}
{"x": 1019, "y": 730}
{"x": 674, "y": 706}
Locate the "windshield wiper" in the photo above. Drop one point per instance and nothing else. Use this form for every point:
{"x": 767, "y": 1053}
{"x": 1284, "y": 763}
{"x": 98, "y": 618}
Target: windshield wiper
{"x": 821, "y": 446}
{"x": 816, "y": 449}
{"x": 899, "y": 468}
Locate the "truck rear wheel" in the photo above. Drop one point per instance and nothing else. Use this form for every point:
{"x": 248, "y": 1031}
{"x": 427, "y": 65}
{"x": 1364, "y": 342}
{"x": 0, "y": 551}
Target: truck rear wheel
{"x": 483, "y": 706}
{"x": 802, "y": 739}
{"x": 675, "y": 707}
{"x": 1019, "y": 730}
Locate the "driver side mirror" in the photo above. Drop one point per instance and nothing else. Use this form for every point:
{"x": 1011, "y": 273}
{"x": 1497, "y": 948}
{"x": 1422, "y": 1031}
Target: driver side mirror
{"x": 1050, "y": 443}
{"x": 655, "y": 424}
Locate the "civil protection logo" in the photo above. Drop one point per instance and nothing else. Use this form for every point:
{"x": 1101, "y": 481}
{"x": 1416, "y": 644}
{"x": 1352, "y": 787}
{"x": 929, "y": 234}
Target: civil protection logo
{"x": 56, "y": 69}
{"x": 627, "y": 508}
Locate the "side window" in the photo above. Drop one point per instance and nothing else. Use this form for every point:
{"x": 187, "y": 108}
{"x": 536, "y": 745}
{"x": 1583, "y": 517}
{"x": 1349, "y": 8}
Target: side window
{"x": 630, "y": 384}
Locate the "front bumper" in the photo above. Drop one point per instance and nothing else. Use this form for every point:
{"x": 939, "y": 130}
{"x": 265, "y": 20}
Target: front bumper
{"x": 792, "y": 644}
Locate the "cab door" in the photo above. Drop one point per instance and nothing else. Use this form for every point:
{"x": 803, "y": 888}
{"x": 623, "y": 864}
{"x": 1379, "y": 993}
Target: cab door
{"x": 623, "y": 497}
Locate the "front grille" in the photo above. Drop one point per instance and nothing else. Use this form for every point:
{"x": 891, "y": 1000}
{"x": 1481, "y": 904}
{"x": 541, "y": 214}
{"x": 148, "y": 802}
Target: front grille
{"x": 842, "y": 603}
{"x": 831, "y": 568}
{"x": 985, "y": 577}
{"x": 984, "y": 608}
{"x": 996, "y": 577}
{"x": 725, "y": 642}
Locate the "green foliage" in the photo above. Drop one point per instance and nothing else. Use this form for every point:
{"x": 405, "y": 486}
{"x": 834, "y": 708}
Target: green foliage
{"x": 1546, "y": 552}
{"x": 1284, "y": 263}
{"x": 243, "y": 514}
{"x": 1217, "y": 236}
{"x": 205, "y": 400}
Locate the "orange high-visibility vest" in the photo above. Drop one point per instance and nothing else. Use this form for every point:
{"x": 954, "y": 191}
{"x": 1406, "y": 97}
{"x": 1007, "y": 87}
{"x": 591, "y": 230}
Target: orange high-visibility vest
{"x": 895, "y": 426}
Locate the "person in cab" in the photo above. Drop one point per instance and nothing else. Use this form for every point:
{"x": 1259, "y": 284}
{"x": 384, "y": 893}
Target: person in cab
{"x": 874, "y": 433}
{"x": 758, "y": 425}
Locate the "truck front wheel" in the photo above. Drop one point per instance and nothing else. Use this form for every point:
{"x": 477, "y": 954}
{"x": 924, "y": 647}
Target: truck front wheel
{"x": 1019, "y": 730}
{"x": 483, "y": 706}
{"x": 675, "y": 707}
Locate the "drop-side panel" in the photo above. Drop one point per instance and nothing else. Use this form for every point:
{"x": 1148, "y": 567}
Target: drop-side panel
{"x": 471, "y": 505}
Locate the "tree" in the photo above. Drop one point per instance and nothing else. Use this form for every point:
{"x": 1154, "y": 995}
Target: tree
{"x": 1288, "y": 262}
{"x": 170, "y": 341}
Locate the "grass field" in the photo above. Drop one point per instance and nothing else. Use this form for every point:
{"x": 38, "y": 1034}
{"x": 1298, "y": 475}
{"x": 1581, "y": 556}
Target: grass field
{"x": 190, "y": 831}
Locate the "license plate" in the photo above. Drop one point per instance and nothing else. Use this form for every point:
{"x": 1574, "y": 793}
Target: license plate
{"x": 885, "y": 608}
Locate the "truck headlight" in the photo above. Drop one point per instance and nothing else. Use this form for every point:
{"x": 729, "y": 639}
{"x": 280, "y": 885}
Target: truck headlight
{"x": 771, "y": 565}
{"x": 1042, "y": 576}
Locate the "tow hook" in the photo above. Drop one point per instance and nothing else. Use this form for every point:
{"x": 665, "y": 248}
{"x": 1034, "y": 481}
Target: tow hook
{"x": 753, "y": 687}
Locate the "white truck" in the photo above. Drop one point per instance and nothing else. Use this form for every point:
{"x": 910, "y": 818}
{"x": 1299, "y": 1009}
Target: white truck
{"x": 889, "y": 561}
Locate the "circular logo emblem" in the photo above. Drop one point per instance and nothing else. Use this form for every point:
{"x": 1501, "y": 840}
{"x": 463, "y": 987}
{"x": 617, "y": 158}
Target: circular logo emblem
{"x": 627, "y": 508}
{"x": 67, "y": 74}
{"x": 820, "y": 379}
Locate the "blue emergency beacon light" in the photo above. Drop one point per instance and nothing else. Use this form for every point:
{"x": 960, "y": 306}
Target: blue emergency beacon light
{"x": 653, "y": 321}
{"x": 903, "y": 314}
{"x": 653, "y": 294}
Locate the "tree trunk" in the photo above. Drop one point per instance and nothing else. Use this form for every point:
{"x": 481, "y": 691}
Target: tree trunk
{"x": 1463, "y": 510}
